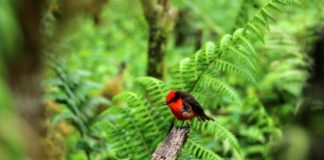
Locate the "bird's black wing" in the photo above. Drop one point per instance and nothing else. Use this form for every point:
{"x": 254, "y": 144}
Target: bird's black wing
{"x": 190, "y": 101}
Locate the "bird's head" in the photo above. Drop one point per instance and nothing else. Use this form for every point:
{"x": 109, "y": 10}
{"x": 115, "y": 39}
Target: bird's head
{"x": 172, "y": 97}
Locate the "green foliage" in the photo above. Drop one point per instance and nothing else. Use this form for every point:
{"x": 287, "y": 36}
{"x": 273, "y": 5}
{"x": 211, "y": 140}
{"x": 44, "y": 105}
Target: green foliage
{"x": 248, "y": 81}
{"x": 220, "y": 132}
{"x": 199, "y": 151}
{"x": 249, "y": 75}
{"x": 141, "y": 119}
{"x": 80, "y": 108}
{"x": 9, "y": 31}
{"x": 243, "y": 13}
{"x": 206, "y": 72}
{"x": 290, "y": 68}
{"x": 11, "y": 143}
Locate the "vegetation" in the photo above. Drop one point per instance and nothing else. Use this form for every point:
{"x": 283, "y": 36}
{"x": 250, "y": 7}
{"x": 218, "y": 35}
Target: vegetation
{"x": 250, "y": 64}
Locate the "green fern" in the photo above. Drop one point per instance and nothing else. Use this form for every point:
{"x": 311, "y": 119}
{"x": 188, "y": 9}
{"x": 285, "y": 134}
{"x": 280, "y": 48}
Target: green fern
{"x": 141, "y": 118}
{"x": 156, "y": 91}
{"x": 189, "y": 69}
{"x": 284, "y": 71}
{"x": 221, "y": 133}
{"x": 199, "y": 151}
{"x": 243, "y": 14}
{"x": 143, "y": 122}
{"x": 71, "y": 92}
{"x": 133, "y": 126}
{"x": 211, "y": 59}
{"x": 289, "y": 65}
{"x": 220, "y": 87}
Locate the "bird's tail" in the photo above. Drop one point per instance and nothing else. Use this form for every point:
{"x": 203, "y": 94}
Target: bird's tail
{"x": 204, "y": 117}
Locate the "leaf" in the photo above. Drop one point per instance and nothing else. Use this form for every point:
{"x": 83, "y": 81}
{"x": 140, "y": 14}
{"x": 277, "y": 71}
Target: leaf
{"x": 228, "y": 67}
{"x": 225, "y": 41}
{"x": 220, "y": 132}
{"x": 256, "y": 32}
{"x": 68, "y": 116}
{"x": 200, "y": 151}
{"x": 221, "y": 88}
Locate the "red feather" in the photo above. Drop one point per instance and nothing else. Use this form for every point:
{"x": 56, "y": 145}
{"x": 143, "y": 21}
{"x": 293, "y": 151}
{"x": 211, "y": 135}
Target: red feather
{"x": 184, "y": 106}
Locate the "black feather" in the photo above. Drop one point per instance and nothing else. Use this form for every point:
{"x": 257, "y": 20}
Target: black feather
{"x": 190, "y": 101}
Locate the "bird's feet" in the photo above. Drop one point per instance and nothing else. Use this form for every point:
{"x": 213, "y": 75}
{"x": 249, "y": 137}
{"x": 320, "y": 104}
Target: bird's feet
{"x": 185, "y": 124}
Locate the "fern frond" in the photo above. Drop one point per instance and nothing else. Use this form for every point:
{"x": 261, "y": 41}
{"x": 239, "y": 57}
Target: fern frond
{"x": 71, "y": 118}
{"x": 91, "y": 106}
{"x": 289, "y": 64}
{"x": 199, "y": 151}
{"x": 256, "y": 31}
{"x": 122, "y": 143}
{"x": 134, "y": 122}
{"x": 220, "y": 132}
{"x": 231, "y": 68}
{"x": 143, "y": 119}
{"x": 139, "y": 123}
{"x": 137, "y": 108}
{"x": 205, "y": 61}
{"x": 243, "y": 42}
{"x": 183, "y": 75}
{"x": 243, "y": 13}
{"x": 156, "y": 91}
{"x": 260, "y": 21}
{"x": 244, "y": 57}
{"x": 189, "y": 69}
{"x": 220, "y": 88}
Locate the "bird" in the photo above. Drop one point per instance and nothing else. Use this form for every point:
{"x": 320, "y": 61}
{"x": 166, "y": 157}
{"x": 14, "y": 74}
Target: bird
{"x": 184, "y": 106}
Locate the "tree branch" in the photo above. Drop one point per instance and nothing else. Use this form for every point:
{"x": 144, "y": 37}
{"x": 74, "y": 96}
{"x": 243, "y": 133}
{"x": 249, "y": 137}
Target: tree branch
{"x": 172, "y": 144}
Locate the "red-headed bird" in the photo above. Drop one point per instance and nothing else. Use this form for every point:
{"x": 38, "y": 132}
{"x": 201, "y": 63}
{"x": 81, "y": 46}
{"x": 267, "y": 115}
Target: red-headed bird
{"x": 184, "y": 106}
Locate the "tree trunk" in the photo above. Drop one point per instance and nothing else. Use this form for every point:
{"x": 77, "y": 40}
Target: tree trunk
{"x": 24, "y": 77}
{"x": 160, "y": 17}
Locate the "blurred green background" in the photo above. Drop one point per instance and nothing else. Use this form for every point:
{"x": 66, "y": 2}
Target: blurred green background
{"x": 92, "y": 50}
